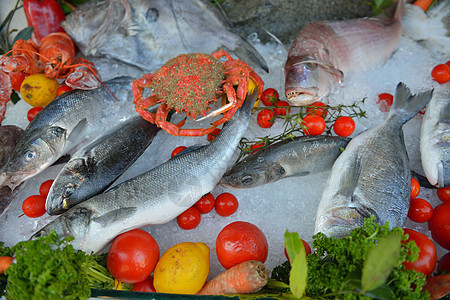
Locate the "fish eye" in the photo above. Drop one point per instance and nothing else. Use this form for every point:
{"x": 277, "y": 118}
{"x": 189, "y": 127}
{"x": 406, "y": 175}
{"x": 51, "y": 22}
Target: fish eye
{"x": 68, "y": 191}
{"x": 38, "y": 235}
{"x": 152, "y": 14}
{"x": 310, "y": 66}
{"x": 281, "y": 171}
{"x": 30, "y": 155}
{"x": 247, "y": 180}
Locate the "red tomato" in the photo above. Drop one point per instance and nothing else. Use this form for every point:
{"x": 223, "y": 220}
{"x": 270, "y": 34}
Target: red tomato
{"x": 45, "y": 187}
{"x": 189, "y": 219}
{"x": 439, "y": 225}
{"x": 281, "y": 111}
{"x": 269, "y": 96}
{"x": 441, "y": 73}
{"x": 420, "y": 210}
{"x": 133, "y": 256}
{"x": 255, "y": 147}
{"x": 226, "y": 204}
{"x": 144, "y": 286}
{"x": 62, "y": 89}
{"x": 205, "y": 204}
{"x": 5, "y": 263}
{"x": 385, "y": 101}
{"x": 307, "y": 250}
{"x": 177, "y": 150}
{"x": 427, "y": 255}
{"x": 265, "y": 118}
{"x": 212, "y": 136}
{"x": 34, "y": 206}
{"x": 317, "y": 110}
{"x": 444, "y": 263}
{"x": 33, "y": 112}
{"x": 16, "y": 79}
{"x": 344, "y": 126}
{"x": 241, "y": 241}
{"x": 444, "y": 194}
{"x": 415, "y": 188}
{"x": 315, "y": 125}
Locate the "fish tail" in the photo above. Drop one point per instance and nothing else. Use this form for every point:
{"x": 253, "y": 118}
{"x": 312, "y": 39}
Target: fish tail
{"x": 406, "y": 105}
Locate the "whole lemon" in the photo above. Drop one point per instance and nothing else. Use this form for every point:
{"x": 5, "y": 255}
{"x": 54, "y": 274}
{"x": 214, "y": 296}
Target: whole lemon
{"x": 182, "y": 269}
{"x": 38, "y": 90}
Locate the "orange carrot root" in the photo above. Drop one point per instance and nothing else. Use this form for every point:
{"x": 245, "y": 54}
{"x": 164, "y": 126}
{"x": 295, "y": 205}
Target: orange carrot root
{"x": 5, "y": 262}
{"x": 244, "y": 278}
{"x": 423, "y": 4}
{"x": 438, "y": 286}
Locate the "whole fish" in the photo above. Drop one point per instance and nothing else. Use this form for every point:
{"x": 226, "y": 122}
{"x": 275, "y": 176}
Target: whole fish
{"x": 292, "y": 157}
{"x": 65, "y": 123}
{"x": 92, "y": 169}
{"x": 323, "y": 52}
{"x": 147, "y": 33}
{"x": 372, "y": 176}
{"x": 435, "y": 138}
{"x": 156, "y": 196}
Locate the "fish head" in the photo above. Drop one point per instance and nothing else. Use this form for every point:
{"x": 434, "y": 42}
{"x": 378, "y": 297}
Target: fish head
{"x": 33, "y": 153}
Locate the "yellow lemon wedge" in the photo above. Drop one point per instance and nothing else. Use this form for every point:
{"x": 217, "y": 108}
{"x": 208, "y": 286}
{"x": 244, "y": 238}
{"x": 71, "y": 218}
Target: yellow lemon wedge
{"x": 38, "y": 90}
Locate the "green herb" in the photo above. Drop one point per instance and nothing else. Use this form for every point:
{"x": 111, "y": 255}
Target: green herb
{"x": 378, "y": 6}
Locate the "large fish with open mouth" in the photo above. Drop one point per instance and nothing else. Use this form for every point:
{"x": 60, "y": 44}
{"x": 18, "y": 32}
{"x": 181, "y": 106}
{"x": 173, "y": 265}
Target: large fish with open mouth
{"x": 65, "y": 123}
{"x": 300, "y": 156}
{"x": 147, "y": 33}
{"x": 156, "y": 196}
{"x": 323, "y": 52}
{"x": 435, "y": 138}
{"x": 372, "y": 176}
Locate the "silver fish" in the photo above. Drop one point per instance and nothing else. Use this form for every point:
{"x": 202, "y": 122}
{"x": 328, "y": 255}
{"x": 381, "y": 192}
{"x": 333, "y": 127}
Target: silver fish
{"x": 156, "y": 196}
{"x": 372, "y": 176}
{"x": 323, "y": 52}
{"x": 65, "y": 123}
{"x": 92, "y": 169}
{"x": 292, "y": 157}
{"x": 147, "y": 33}
{"x": 435, "y": 138}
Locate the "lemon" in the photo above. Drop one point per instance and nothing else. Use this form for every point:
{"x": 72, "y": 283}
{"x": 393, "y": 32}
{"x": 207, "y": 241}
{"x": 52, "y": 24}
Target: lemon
{"x": 182, "y": 269}
{"x": 38, "y": 90}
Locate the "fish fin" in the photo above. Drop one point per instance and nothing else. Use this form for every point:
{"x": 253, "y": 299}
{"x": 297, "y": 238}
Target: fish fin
{"x": 349, "y": 179}
{"x": 303, "y": 173}
{"x": 190, "y": 149}
{"x": 246, "y": 52}
{"x": 115, "y": 215}
{"x": 62, "y": 160}
{"x": 77, "y": 132}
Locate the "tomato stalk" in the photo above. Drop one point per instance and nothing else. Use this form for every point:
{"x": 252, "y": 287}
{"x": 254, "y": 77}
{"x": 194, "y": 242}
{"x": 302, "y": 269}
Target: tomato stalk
{"x": 44, "y": 16}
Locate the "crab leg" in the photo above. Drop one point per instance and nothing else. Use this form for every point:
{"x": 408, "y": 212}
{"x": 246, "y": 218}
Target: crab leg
{"x": 231, "y": 96}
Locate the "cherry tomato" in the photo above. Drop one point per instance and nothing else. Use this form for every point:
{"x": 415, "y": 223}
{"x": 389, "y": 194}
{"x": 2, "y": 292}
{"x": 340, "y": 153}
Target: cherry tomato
{"x": 444, "y": 194}
{"x": 256, "y": 146}
{"x": 315, "y": 125}
{"x": 34, "y": 206}
{"x": 427, "y": 255}
{"x": 189, "y": 219}
{"x": 344, "y": 126}
{"x": 265, "y": 118}
{"x": 420, "y": 210}
{"x": 444, "y": 263}
{"x": 385, "y": 101}
{"x": 62, "y": 89}
{"x": 241, "y": 241}
{"x": 17, "y": 79}
{"x": 133, "y": 256}
{"x": 415, "y": 188}
{"x": 45, "y": 187}
{"x": 33, "y": 112}
{"x": 317, "y": 110}
{"x": 307, "y": 250}
{"x": 177, "y": 150}
{"x": 226, "y": 204}
{"x": 441, "y": 73}
{"x": 212, "y": 136}
{"x": 439, "y": 225}
{"x": 205, "y": 204}
{"x": 281, "y": 111}
{"x": 145, "y": 286}
{"x": 269, "y": 96}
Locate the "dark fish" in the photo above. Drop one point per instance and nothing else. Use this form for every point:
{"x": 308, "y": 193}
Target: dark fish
{"x": 301, "y": 156}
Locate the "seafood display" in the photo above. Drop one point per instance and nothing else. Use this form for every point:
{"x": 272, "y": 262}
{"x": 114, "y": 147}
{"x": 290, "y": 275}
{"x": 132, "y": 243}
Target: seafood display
{"x": 92, "y": 169}
{"x": 156, "y": 196}
{"x": 300, "y": 156}
{"x": 374, "y": 160}
{"x": 435, "y": 138}
{"x": 324, "y": 52}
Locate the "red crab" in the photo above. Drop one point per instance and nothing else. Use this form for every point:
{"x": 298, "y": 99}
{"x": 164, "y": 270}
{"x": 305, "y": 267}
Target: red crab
{"x": 189, "y": 83}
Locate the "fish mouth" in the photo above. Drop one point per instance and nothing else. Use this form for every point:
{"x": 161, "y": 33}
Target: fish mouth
{"x": 300, "y": 97}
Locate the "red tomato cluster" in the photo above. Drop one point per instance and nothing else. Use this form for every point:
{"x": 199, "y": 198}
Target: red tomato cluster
{"x": 441, "y": 72}
{"x": 34, "y": 206}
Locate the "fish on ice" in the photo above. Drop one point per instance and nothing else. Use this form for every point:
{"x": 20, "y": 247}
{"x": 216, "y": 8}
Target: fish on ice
{"x": 156, "y": 196}
{"x": 300, "y": 156}
{"x": 372, "y": 176}
{"x": 323, "y": 52}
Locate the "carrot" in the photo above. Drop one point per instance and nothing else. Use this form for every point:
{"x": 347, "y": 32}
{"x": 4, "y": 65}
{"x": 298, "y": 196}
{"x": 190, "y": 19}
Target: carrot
{"x": 244, "y": 278}
{"x": 5, "y": 262}
{"x": 423, "y": 4}
{"x": 438, "y": 286}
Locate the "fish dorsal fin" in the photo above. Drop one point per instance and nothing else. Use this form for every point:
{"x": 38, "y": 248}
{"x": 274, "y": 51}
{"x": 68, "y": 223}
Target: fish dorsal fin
{"x": 190, "y": 149}
{"x": 115, "y": 216}
{"x": 77, "y": 132}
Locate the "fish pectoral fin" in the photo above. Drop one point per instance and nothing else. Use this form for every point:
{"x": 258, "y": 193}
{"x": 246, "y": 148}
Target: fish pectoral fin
{"x": 115, "y": 216}
{"x": 349, "y": 179}
{"x": 77, "y": 132}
